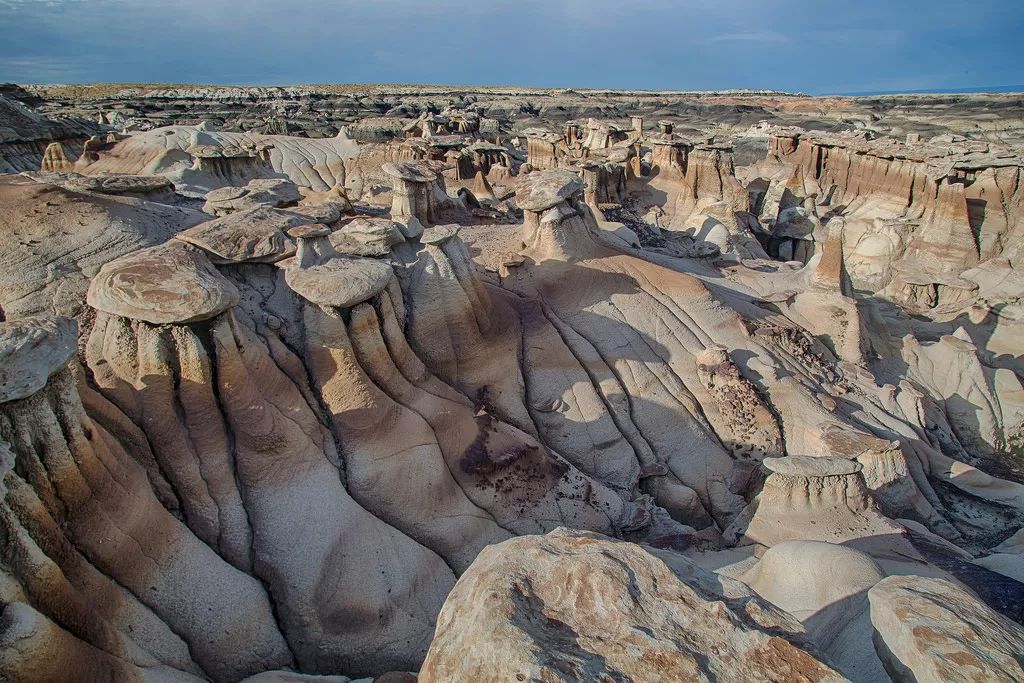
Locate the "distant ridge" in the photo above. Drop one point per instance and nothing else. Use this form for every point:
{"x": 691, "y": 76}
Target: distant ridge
{"x": 938, "y": 91}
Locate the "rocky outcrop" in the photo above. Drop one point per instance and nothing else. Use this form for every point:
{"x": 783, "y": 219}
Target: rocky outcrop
{"x": 822, "y": 499}
{"x": 950, "y": 203}
{"x": 198, "y": 160}
{"x": 420, "y": 199}
{"x": 97, "y": 569}
{"x": 272, "y": 192}
{"x": 578, "y": 607}
{"x": 26, "y": 138}
{"x": 285, "y": 434}
{"x": 929, "y": 629}
{"x": 56, "y": 239}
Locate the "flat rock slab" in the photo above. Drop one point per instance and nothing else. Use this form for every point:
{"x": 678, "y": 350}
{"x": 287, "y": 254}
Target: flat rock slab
{"x": 541, "y": 190}
{"x": 807, "y": 466}
{"x": 372, "y": 230}
{"x": 327, "y": 213}
{"x": 412, "y": 171}
{"x": 170, "y": 283}
{"x": 340, "y": 282}
{"x": 104, "y": 184}
{"x": 933, "y": 630}
{"x": 252, "y": 235}
{"x": 439, "y": 234}
{"x": 31, "y": 350}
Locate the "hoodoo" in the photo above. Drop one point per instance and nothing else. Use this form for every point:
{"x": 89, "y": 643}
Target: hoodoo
{"x": 488, "y": 384}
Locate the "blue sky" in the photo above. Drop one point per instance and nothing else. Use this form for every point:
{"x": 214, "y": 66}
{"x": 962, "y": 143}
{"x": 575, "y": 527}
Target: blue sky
{"x": 815, "y": 46}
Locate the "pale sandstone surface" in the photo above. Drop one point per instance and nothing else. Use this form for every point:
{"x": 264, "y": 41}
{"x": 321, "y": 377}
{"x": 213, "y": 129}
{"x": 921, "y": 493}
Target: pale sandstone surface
{"x": 929, "y": 629}
{"x": 473, "y": 384}
{"x": 579, "y": 607}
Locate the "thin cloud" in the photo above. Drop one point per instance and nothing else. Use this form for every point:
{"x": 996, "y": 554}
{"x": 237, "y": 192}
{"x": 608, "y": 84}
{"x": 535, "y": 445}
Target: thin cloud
{"x": 750, "y": 37}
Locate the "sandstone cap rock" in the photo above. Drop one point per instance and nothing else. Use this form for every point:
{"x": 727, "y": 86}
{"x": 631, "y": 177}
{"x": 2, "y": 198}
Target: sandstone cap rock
{"x": 808, "y": 466}
{"x": 439, "y": 234}
{"x": 31, "y": 350}
{"x": 340, "y": 282}
{"x": 255, "y": 235}
{"x": 119, "y": 184}
{"x": 327, "y": 212}
{"x": 413, "y": 171}
{"x": 170, "y": 283}
{"x": 934, "y": 630}
{"x": 541, "y": 190}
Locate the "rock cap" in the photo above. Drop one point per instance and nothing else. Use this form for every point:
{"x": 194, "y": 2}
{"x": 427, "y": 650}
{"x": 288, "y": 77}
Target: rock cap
{"x": 170, "y": 283}
{"x": 31, "y": 350}
{"x": 412, "y": 171}
{"x": 808, "y": 466}
{"x": 340, "y": 282}
{"x": 541, "y": 190}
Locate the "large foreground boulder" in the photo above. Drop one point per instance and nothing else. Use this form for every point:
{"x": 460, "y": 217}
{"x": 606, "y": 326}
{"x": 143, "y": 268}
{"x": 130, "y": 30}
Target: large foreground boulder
{"x": 932, "y": 630}
{"x": 577, "y": 606}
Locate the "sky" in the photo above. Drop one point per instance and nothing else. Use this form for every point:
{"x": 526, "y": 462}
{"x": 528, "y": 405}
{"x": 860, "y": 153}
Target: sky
{"x": 812, "y": 46}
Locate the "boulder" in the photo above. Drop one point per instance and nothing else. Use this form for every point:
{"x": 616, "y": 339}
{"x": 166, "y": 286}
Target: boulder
{"x": 171, "y": 283}
{"x": 32, "y": 349}
{"x": 340, "y": 282}
{"x": 577, "y": 606}
{"x": 932, "y": 630}
{"x": 251, "y": 235}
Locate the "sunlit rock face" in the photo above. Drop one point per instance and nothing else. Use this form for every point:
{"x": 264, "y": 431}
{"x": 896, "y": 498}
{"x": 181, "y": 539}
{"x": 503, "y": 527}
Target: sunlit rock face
{"x": 509, "y": 389}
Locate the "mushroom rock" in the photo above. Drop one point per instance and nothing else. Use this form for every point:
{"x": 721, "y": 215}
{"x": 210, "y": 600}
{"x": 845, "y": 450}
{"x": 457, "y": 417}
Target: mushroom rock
{"x": 819, "y": 499}
{"x": 172, "y": 283}
{"x": 272, "y": 192}
{"x": 895, "y": 479}
{"x": 98, "y": 565}
{"x": 630, "y": 614}
{"x": 327, "y": 213}
{"x": 411, "y": 194}
{"x": 32, "y": 349}
{"x": 248, "y": 452}
{"x": 929, "y": 629}
{"x": 256, "y": 235}
{"x": 319, "y": 274}
{"x": 557, "y": 224}
{"x": 543, "y": 191}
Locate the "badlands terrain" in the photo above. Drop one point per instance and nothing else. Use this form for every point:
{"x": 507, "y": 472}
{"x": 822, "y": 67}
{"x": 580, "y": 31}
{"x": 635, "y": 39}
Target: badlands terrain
{"x": 395, "y": 384}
